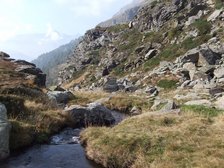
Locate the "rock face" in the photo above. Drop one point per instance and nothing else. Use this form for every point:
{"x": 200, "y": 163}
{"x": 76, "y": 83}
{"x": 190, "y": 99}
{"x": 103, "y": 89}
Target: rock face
{"x": 93, "y": 114}
{"x": 4, "y": 133}
{"x": 32, "y": 72}
{"x": 24, "y": 69}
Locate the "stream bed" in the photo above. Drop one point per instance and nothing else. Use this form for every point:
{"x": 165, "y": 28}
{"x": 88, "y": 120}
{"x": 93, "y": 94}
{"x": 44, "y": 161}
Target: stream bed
{"x": 63, "y": 151}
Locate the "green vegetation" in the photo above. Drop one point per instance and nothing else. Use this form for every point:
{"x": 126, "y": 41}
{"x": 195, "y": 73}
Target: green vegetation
{"x": 186, "y": 140}
{"x": 174, "y": 32}
{"x": 32, "y": 121}
{"x": 117, "y": 28}
{"x": 124, "y": 103}
{"x": 152, "y": 63}
{"x": 219, "y": 4}
{"x": 167, "y": 84}
{"x": 203, "y": 26}
{"x": 202, "y": 110}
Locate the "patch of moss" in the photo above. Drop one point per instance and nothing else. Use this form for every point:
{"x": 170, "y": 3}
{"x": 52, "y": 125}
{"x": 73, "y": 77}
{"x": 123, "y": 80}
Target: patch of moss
{"x": 203, "y": 26}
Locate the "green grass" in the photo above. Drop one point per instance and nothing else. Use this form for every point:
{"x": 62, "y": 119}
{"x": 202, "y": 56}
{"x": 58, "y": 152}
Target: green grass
{"x": 219, "y": 4}
{"x": 158, "y": 141}
{"x": 202, "y": 110}
{"x": 124, "y": 103}
{"x": 167, "y": 84}
{"x": 203, "y": 26}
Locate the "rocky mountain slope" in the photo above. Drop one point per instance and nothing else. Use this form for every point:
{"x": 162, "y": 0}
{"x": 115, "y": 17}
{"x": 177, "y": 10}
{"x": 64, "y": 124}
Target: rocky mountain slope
{"x": 170, "y": 56}
{"x": 49, "y": 62}
{"x": 125, "y": 15}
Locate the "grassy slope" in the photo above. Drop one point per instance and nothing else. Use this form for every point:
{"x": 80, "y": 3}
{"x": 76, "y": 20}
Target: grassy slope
{"x": 186, "y": 140}
{"x": 32, "y": 116}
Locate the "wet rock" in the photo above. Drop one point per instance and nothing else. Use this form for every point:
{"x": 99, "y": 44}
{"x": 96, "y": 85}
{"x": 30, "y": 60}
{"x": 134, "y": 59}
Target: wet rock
{"x": 93, "y": 114}
{"x": 4, "y": 133}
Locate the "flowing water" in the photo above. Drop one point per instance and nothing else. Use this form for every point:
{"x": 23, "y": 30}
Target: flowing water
{"x": 64, "y": 151}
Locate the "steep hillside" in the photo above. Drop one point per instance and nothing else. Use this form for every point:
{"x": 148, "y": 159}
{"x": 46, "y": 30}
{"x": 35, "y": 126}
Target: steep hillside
{"x": 125, "y": 15}
{"x": 167, "y": 64}
{"x": 49, "y": 62}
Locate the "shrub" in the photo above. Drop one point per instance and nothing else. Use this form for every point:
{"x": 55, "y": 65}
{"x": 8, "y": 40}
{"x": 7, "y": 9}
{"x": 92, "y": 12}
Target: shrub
{"x": 203, "y": 26}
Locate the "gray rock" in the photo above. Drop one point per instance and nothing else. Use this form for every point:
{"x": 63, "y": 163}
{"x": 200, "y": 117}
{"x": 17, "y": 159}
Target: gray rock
{"x": 220, "y": 103}
{"x": 185, "y": 84}
{"x": 111, "y": 85}
{"x": 4, "y": 133}
{"x": 135, "y": 111}
{"x": 60, "y": 96}
{"x": 191, "y": 68}
{"x": 200, "y": 56}
{"x": 215, "y": 15}
{"x": 171, "y": 105}
{"x": 219, "y": 72}
{"x": 151, "y": 54}
{"x": 93, "y": 114}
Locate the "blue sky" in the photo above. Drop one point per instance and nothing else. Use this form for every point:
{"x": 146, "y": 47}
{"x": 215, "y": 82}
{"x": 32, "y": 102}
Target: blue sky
{"x": 49, "y": 22}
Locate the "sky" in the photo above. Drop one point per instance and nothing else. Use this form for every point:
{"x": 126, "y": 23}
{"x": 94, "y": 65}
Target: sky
{"x": 29, "y": 28}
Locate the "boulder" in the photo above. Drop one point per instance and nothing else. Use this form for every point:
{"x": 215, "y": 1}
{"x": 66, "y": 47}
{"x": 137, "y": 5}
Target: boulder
{"x": 93, "y": 114}
{"x": 191, "y": 68}
{"x": 60, "y": 96}
{"x": 111, "y": 85}
{"x": 4, "y": 133}
{"x": 200, "y": 56}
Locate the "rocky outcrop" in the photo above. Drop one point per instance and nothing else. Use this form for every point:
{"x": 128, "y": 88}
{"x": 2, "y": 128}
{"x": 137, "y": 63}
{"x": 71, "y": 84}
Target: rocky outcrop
{"x": 4, "y": 133}
{"x": 60, "y": 96}
{"x": 93, "y": 114}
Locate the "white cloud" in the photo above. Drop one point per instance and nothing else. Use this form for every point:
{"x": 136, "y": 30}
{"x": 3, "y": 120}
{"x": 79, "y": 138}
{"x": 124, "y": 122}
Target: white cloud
{"x": 50, "y": 36}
